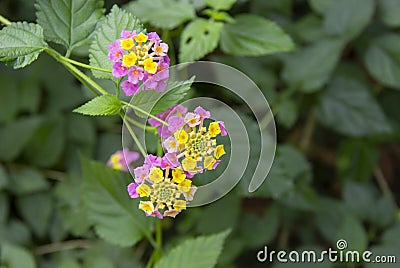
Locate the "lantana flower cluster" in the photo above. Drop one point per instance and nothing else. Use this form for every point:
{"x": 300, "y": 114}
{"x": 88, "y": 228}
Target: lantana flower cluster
{"x": 165, "y": 190}
{"x": 165, "y": 184}
{"x": 191, "y": 143}
{"x": 140, "y": 57}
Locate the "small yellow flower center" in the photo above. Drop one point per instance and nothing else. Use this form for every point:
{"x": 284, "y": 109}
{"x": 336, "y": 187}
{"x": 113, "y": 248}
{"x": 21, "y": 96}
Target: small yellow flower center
{"x": 158, "y": 49}
{"x": 127, "y": 43}
{"x": 129, "y": 60}
{"x": 150, "y": 66}
{"x": 141, "y": 38}
{"x": 165, "y": 192}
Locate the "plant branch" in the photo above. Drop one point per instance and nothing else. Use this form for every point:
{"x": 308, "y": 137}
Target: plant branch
{"x": 381, "y": 180}
{"x": 76, "y": 71}
{"x": 308, "y": 131}
{"x": 65, "y": 245}
{"x": 4, "y": 20}
{"x": 142, "y": 151}
{"x": 138, "y": 124}
{"x": 85, "y": 65}
{"x": 146, "y": 113}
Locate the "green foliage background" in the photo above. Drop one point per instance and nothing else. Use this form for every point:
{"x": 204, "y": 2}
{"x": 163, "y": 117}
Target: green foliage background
{"x": 336, "y": 100}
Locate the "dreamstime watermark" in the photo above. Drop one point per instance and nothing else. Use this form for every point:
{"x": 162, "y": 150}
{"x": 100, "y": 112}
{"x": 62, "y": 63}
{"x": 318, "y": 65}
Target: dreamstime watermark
{"x": 311, "y": 256}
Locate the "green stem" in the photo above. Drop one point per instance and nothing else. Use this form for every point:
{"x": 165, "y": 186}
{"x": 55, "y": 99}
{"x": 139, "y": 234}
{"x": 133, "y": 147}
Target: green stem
{"x": 83, "y": 82}
{"x": 158, "y": 239}
{"x": 157, "y": 253}
{"x": 135, "y": 138}
{"x": 159, "y": 147}
{"x": 62, "y": 60}
{"x": 4, "y": 20}
{"x": 151, "y": 260}
{"x": 138, "y": 124}
{"x": 146, "y": 113}
{"x": 85, "y": 65}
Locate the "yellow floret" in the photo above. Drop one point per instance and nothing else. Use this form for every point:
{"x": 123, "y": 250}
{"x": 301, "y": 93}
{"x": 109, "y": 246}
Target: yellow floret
{"x": 156, "y": 174}
{"x": 143, "y": 190}
{"x": 214, "y": 129}
{"x": 219, "y": 151}
{"x": 127, "y": 43}
{"x": 180, "y": 205}
{"x": 178, "y": 176}
{"x": 189, "y": 163}
{"x": 181, "y": 136}
{"x": 146, "y": 206}
{"x": 150, "y": 66}
{"x": 141, "y": 38}
{"x": 209, "y": 162}
{"x": 184, "y": 186}
{"x": 129, "y": 60}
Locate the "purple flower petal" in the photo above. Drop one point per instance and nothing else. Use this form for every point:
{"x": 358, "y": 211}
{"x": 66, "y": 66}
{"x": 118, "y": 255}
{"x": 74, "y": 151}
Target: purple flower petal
{"x": 202, "y": 112}
{"x": 119, "y": 70}
{"x": 128, "y": 88}
{"x": 132, "y": 190}
{"x": 222, "y": 127}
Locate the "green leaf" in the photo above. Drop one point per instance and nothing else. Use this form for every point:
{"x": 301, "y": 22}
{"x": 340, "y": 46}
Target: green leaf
{"x": 359, "y": 198}
{"x": 383, "y": 212}
{"x": 255, "y": 232}
{"x": 356, "y": 159}
{"x": 329, "y": 215}
{"x": 101, "y": 105}
{"x": 27, "y": 181}
{"x": 309, "y": 29}
{"x": 107, "y": 32}
{"x": 253, "y": 35}
{"x": 199, "y": 38}
{"x": 220, "y": 4}
{"x": 16, "y": 232}
{"x": 46, "y": 146}
{"x": 389, "y": 11}
{"x": 115, "y": 216}
{"x": 391, "y": 236}
{"x": 4, "y": 180}
{"x": 289, "y": 166}
{"x": 219, "y": 15}
{"x": 72, "y": 212}
{"x": 347, "y": 107}
{"x": 69, "y": 22}
{"x": 9, "y": 98}
{"x": 353, "y": 232}
{"x": 4, "y": 208}
{"x": 310, "y": 68}
{"x": 321, "y": 6}
{"x": 16, "y": 256}
{"x": 157, "y": 102}
{"x": 383, "y": 60}
{"x": 201, "y": 252}
{"x": 21, "y": 43}
{"x": 222, "y": 221}
{"x": 288, "y": 113}
{"x": 347, "y": 18}
{"x": 165, "y": 14}
{"x": 36, "y": 210}
{"x": 20, "y": 130}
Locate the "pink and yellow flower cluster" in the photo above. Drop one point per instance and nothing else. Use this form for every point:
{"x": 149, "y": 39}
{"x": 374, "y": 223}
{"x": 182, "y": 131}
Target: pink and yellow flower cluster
{"x": 165, "y": 188}
{"x": 165, "y": 183}
{"x": 142, "y": 58}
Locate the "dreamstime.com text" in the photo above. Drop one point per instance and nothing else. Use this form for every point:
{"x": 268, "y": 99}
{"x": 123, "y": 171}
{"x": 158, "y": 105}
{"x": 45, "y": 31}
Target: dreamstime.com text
{"x": 310, "y": 256}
